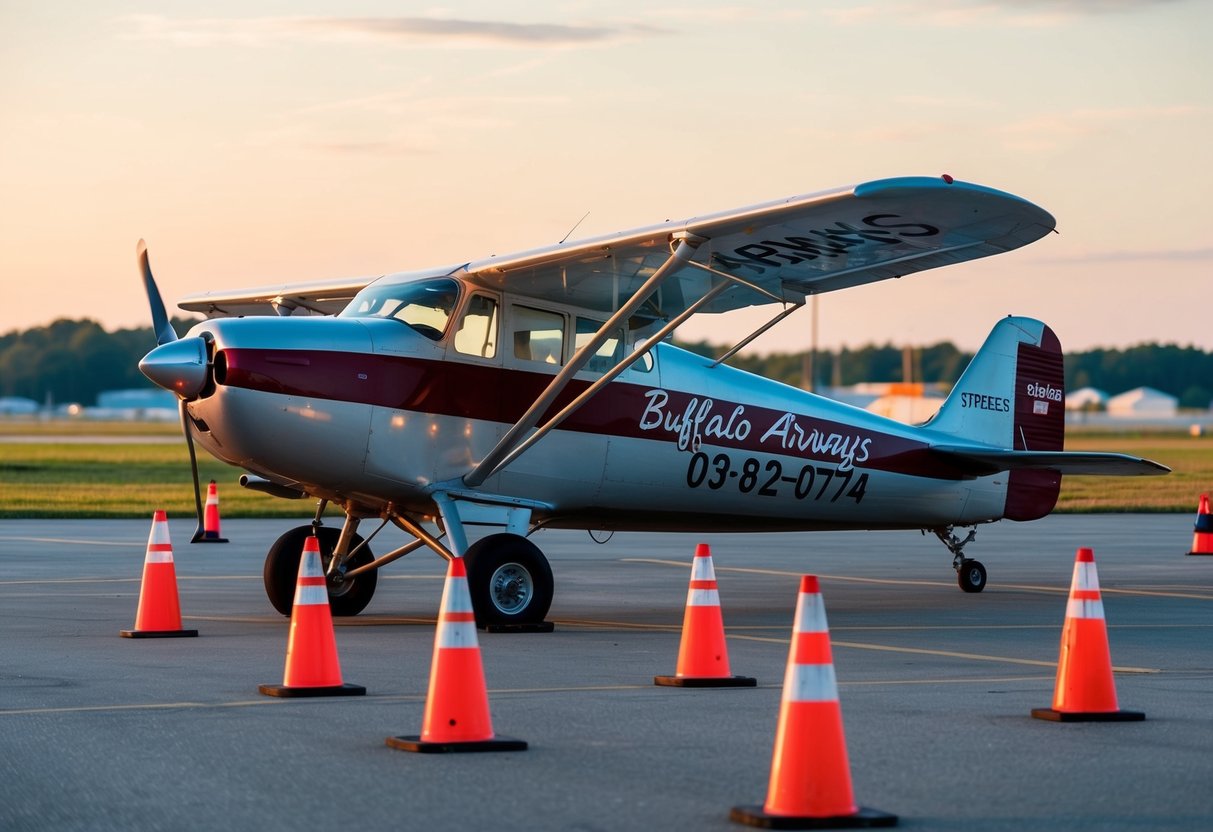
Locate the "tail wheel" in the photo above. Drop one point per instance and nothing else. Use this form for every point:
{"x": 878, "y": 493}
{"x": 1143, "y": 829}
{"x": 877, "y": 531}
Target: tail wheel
{"x": 509, "y": 580}
{"x": 346, "y": 597}
{"x": 971, "y": 575}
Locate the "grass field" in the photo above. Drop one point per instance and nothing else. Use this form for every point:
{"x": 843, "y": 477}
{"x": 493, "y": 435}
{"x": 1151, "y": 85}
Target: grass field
{"x": 56, "y": 472}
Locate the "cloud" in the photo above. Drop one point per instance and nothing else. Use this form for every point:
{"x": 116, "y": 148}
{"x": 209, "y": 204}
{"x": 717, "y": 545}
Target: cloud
{"x": 987, "y": 13}
{"x": 415, "y": 31}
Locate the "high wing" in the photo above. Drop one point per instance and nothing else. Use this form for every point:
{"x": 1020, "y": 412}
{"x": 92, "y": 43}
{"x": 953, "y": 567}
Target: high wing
{"x": 984, "y": 461}
{"x": 787, "y": 249}
{"x": 778, "y": 251}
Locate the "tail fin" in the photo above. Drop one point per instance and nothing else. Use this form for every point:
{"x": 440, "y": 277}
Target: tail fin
{"x": 1012, "y": 397}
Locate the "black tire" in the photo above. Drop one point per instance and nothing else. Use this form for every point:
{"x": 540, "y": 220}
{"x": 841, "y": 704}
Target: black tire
{"x": 509, "y": 580}
{"x": 971, "y": 576}
{"x": 282, "y": 571}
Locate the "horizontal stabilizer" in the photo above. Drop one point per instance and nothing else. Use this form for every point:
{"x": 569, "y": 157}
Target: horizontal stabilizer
{"x": 984, "y": 461}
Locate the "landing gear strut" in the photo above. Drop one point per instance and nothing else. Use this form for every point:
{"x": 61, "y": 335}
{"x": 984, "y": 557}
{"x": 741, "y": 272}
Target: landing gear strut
{"x": 970, "y": 574}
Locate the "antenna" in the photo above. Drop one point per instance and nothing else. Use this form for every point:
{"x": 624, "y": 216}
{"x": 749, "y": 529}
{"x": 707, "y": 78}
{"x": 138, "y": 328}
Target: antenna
{"x": 574, "y": 228}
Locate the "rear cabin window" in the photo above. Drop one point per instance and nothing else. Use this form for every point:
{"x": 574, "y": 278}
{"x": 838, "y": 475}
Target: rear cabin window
{"x": 538, "y": 335}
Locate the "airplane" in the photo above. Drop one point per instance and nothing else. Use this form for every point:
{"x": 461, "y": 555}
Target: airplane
{"x": 537, "y": 390}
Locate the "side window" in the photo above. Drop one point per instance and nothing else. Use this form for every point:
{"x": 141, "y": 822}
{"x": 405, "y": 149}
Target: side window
{"x": 608, "y": 354}
{"x": 538, "y": 335}
{"x": 477, "y": 333}
{"x": 644, "y": 364}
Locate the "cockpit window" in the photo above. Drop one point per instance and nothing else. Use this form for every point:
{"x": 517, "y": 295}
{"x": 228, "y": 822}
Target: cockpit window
{"x": 424, "y": 305}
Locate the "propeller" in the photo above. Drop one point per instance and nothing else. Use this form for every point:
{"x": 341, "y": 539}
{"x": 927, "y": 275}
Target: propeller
{"x": 178, "y": 365}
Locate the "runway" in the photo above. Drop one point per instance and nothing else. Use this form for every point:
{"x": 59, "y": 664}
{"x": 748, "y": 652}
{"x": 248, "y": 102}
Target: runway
{"x": 99, "y": 732}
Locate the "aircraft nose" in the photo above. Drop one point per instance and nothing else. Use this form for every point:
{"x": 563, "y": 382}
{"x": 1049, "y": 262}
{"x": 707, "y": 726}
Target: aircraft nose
{"x": 178, "y": 366}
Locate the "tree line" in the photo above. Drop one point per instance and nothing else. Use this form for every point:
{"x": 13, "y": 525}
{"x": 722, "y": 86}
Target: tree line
{"x": 74, "y": 360}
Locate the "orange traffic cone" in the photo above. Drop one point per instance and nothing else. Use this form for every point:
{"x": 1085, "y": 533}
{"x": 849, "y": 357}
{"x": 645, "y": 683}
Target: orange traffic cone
{"x": 1202, "y": 536}
{"x": 159, "y": 614}
{"x": 210, "y": 517}
{"x": 810, "y": 786}
{"x": 703, "y": 656}
{"x": 1085, "y": 691}
{"x": 457, "y": 705}
{"x": 312, "y": 667}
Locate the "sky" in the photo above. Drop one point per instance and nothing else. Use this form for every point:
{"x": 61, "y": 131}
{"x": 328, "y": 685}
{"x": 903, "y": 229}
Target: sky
{"x": 267, "y": 141}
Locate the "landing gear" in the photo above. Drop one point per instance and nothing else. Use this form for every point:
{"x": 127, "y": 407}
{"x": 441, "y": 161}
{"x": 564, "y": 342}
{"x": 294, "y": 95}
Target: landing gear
{"x": 970, "y": 574}
{"x": 510, "y": 581}
{"x": 347, "y": 596}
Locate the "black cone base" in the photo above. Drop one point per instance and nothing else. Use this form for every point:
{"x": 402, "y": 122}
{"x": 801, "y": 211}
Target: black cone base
{"x": 863, "y": 819}
{"x": 1088, "y": 716}
{"x": 210, "y": 540}
{"x": 289, "y": 691}
{"x": 539, "y": 627}
{"x": 157, "y": 633}
{"x": 415, "y": 743}
{"x": 1198, "y": 554}
{"x": 706, "y": 681}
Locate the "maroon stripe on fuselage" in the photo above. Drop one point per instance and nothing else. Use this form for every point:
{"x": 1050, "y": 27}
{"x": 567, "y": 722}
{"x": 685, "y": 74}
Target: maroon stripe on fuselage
{"x": 495, "y": 394}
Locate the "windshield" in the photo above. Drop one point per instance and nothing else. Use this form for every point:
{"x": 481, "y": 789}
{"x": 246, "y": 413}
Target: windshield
{"x": 424, "y": 305}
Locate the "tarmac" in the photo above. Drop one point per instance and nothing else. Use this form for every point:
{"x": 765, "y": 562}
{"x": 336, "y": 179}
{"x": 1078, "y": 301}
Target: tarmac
{"x": 99, "y": 732}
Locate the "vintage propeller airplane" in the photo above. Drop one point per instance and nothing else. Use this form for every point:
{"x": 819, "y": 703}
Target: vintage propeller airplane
{"x": 535, "y": 390}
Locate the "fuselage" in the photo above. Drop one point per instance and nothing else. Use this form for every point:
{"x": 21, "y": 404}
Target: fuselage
{"x": 370, "y": 410}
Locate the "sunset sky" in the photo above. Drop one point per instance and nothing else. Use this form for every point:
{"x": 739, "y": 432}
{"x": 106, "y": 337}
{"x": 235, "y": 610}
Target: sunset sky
{"x": 257, "y": 142}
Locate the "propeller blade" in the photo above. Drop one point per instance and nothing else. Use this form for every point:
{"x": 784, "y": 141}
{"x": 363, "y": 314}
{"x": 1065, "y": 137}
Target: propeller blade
{"x": 160, "y": 322}
{"x": 189, "y": 442}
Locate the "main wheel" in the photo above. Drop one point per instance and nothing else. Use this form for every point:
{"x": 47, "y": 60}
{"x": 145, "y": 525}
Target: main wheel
{"x": 346, "y": 597}
{"x": 971, "y": 576}
{"x": 509, "y": 580}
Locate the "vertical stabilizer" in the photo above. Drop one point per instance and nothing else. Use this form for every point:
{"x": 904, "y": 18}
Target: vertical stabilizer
{"x": 1012, "y": 395}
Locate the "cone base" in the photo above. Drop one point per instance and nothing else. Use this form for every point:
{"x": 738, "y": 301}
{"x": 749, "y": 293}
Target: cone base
{"x": 541, "y": 627}
{"x": 415, "y": 743}
{"x": 157, "y": 633}
{"x": 706, "y": 681}
{"x": 1198, "y": 554}
{"x": 288, "y": 691}
{"x": 210, "y": 540}
{"x": 1087, "y": 716}
{"x": 863, "y": 819}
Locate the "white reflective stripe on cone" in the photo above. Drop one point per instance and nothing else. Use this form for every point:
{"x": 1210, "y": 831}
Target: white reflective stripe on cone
{"x": 457, "y": 634}
{"x": 309, "y": 567}
{"x": 702, "y": 570}
{"x": 703, "y": 598}
{"x": 810, "y": 615}
{"x": 455, "y": 596}
{"x": 1084, "y": 608}
{"x": 1085, "y": 576}
{"x": 309, "y": 595}
{"x": 810, "y": 683}
{"x": 154, "y": 556}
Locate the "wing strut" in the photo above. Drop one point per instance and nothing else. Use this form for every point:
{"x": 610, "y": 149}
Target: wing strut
{"x": 740, "y": 344}
{"x": 687, "y": 244}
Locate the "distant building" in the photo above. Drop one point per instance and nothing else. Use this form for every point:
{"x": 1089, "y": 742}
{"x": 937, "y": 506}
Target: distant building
{"x": 137, "y": 404}
{"x": 1086, "y": 399}
{"x": 17, "y": 406}
{"x": 1143, "y": 402}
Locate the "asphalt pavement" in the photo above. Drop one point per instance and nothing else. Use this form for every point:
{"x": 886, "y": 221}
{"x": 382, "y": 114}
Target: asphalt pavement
{"x": 99, "y": 732}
